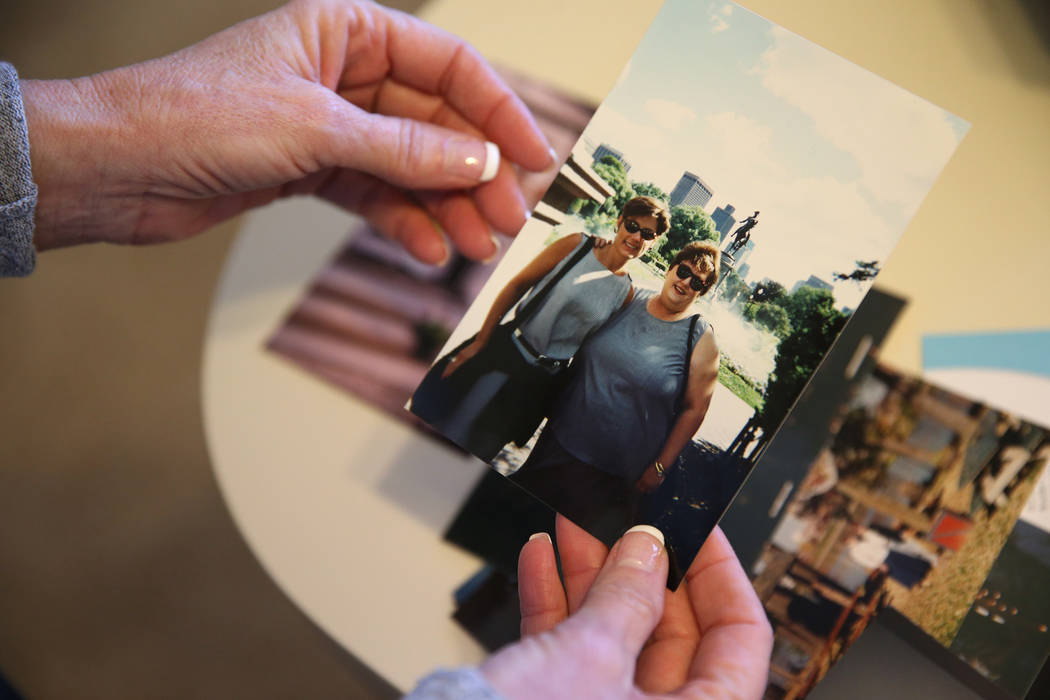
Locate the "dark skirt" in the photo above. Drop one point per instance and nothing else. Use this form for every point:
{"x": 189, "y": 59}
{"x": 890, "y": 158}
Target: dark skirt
{"x": 498, "y": 396}
{"x": 603, "y": 504}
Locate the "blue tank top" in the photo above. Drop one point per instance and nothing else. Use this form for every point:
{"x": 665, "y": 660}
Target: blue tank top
{"x": 583, "y": 299}
{"x": 620, "y": 407}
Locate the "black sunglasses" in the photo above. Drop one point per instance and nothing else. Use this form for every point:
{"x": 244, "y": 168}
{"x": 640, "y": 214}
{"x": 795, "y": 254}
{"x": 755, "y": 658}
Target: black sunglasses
{"x": 632, "y": 227}
{"x": 695, "y": 282}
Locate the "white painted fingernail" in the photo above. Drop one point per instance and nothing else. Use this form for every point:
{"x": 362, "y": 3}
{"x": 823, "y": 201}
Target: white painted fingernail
{"x": 554, "y": 155}
{"x": 495, "y": 250}
{"x": 649, "y": 530}
{"x": 540, "y": 536}
{"x": 471, "y": 159}
{"x": 491, "y": 162}
{"x": 640, "y": 553}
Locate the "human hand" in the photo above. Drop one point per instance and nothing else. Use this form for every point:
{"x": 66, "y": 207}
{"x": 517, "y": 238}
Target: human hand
{"x": 650, "y": 480}
{"x": 361, "y": 105}
{"x": 613, "y": 631}
{"x": 462, "y": 356}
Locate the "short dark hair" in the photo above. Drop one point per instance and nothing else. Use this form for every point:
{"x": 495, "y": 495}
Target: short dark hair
{"x": 648, "y": 206}
{"x": 706, "y": 256}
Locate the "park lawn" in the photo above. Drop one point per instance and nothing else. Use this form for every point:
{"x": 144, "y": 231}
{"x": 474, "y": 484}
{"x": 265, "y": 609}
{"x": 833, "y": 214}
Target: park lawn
{"x": 941, "y": 602}
{"x": 740, "y": 387}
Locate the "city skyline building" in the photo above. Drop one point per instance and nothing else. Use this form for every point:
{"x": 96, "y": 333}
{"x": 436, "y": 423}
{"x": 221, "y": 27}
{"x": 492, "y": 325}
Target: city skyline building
{"x": 724, "y": 220}
{"x": 691, "y": 191}
{"x": 743, "y": 254}
{"x": 606, "y": 150}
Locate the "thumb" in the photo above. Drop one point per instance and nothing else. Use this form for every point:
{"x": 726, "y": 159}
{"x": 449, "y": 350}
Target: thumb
{"x": 627, "y": 599}
{"x": 594, "y": 652}
{"x": 414, "y": 154}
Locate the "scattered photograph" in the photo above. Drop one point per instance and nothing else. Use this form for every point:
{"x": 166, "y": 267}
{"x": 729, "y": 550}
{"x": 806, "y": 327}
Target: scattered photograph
{"x": 710, "y": 234}
{"x": 926, "y": 502}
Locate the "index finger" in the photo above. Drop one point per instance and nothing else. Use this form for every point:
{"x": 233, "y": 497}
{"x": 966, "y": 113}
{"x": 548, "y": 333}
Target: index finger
{"x": 735, "y": 635}
{"x": 439, "y": 63}
{"x": 582, "y": 556}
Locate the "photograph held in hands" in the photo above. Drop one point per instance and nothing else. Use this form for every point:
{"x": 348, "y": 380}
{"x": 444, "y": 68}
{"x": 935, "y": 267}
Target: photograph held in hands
{"x": 640, "y": 343}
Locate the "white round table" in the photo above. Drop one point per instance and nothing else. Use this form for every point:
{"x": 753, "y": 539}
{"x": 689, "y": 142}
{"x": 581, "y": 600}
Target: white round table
{"x": 345, "y": 507}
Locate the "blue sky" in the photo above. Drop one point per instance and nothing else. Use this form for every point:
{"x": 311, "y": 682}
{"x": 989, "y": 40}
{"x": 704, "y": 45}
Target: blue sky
{"x": 836, "y": 158}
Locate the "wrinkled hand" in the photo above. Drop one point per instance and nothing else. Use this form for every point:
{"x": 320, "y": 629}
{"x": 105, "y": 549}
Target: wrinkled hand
{"x": 613, "y": 631}
{"x": 364, "y": 106}
{"x": 462, "y": 356}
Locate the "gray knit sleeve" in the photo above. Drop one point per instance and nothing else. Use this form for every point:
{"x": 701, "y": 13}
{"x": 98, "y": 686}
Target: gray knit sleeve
{"x": 457, "y": 684}
{"x": 17, "y": 191}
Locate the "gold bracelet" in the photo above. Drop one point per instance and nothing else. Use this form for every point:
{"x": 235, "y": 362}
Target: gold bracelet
{"x": 659, "y": 468}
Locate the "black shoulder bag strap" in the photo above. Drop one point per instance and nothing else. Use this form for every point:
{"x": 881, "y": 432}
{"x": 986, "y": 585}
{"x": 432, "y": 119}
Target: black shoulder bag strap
{"x": 688, "y": 363}
{"x": 534, "y": 303}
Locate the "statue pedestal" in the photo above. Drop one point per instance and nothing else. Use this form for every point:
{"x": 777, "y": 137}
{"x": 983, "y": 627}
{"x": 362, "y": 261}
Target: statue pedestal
{"x": 727, "y": 263}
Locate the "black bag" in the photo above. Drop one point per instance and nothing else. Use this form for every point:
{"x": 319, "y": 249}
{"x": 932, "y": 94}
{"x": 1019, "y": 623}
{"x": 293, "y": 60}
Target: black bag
{"x": 521, "y": 404}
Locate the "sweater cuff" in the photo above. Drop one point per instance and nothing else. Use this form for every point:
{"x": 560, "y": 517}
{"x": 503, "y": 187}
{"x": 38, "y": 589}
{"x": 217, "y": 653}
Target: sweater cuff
{"x": 457, "y": 684}
{"x": 18, "y": 193}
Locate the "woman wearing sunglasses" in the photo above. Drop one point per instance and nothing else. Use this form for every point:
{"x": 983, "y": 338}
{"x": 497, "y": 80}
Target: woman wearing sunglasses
{"x": 641, "y": 390}
{"x": 567, "y": 309}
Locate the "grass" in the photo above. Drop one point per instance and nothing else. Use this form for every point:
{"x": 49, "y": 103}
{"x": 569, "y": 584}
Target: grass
{"x": 942, "y": 601}
{"x": 739, "y": 385}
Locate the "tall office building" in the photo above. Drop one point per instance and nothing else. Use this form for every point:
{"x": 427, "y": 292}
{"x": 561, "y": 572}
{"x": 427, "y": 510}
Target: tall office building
{"x": 743, "y": 270}
{"x": 690, "y": 191}
{"x": 724, "y": 220}
{"x": 607, "y": 150}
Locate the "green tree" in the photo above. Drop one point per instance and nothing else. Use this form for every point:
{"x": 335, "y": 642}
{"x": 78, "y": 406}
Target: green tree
{"x": 803, "y": 303}
{"x": 768, "y": 291}
{"x": 774, "y": 319}
{"x": 815, "y": 323}
{"x": 648, "y": 189}
{"x": 611, "y": 170}
{"x": 688, "y": 224}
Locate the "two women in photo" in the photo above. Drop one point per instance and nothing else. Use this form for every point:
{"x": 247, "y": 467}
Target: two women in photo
{"x": 496, "y": 388}
{"x": 643, "y": 370}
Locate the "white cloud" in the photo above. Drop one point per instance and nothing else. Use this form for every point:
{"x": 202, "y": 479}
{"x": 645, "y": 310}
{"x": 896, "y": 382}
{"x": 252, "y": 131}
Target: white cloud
{"x": 668, "y": 114}
{"x": 899, "y": 141}
{"x": 719, "y": 21}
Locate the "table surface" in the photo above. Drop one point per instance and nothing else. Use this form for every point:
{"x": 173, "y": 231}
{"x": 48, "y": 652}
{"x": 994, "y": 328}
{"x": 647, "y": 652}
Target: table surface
{"x": 344, "y": 507}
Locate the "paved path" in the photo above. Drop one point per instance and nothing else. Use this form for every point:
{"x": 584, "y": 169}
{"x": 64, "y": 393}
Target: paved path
{"x": 725, "y": 418}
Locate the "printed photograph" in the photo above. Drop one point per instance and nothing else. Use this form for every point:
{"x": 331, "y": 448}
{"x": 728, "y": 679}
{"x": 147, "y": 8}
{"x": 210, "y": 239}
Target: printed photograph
{"x": 925, "y": 502}
{"x": 710, "y": 234}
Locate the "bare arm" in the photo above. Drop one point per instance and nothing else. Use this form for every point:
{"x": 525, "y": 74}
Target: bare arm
{"x": 703, "y": 376}
{"x": 513, "y": 291}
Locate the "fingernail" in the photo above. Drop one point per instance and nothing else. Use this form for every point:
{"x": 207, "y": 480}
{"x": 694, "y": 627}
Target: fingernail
{"x": 554, "y": 155}
{"x": 540, "y": 536}
{"x": 432, "y": 251}
{"x": 495, "y": 249}
{"x": 475, "y": 160}
{"x": 640, "y": 552}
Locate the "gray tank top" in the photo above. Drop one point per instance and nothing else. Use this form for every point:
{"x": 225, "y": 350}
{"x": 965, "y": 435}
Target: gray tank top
{"x": 581, "y": 301}
{"x": 620, "y": 407}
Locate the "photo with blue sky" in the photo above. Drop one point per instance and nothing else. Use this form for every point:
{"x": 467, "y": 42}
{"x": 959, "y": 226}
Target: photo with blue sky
{"x": 836, "y": 158}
